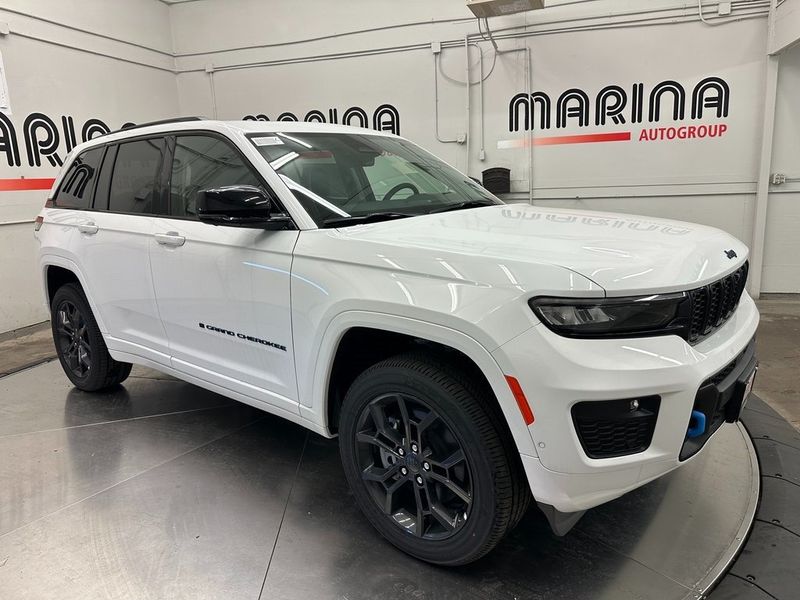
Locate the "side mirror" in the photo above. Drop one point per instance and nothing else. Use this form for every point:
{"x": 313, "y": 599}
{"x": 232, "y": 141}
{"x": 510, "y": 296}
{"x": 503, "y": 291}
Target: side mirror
{"x": 239, "y": 206}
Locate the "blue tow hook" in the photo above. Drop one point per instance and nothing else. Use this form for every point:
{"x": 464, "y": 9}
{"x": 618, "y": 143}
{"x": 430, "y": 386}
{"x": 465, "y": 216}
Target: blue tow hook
{"x": 697, "y": 424}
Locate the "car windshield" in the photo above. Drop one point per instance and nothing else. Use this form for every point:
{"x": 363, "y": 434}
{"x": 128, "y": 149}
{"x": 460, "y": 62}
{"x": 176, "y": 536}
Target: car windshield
{"x": 345, "y": 179}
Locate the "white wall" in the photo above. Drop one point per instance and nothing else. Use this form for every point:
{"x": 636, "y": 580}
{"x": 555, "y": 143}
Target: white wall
{"x": 373, "y": 53}
{"x": 787, "y": 25}
{"x": 782, "y": 246}
{"x": 57, "y": 66}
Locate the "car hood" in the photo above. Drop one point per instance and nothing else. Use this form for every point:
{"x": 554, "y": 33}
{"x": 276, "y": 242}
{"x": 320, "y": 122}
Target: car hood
{"x": 620, "y": 253}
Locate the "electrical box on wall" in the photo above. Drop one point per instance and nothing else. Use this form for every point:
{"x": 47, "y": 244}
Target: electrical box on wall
{"x": 498, "y": 8}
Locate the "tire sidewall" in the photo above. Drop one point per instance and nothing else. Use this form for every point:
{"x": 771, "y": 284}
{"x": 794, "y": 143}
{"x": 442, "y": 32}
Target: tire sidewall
{"x": 473, "y": 535}
{"x": 73, "y": 294}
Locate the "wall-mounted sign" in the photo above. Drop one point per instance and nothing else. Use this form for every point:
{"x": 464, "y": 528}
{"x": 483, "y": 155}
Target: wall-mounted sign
{"x": 43, "y": 138}
{"x": 622, "y": 108}
{"x": 384, "y": 118}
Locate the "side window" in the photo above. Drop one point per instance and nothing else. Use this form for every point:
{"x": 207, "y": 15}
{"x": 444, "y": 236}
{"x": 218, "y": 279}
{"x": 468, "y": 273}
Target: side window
{"x": 104, "y": 179}
{"x": 78, "y": 183}
{"x": 134, "y": 187}
{"x": 204, "y": 162}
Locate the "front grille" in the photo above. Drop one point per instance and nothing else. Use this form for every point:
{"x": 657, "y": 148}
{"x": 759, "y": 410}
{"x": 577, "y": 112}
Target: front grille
{"x": 713, "y": 304}
{"x": 609, "y": 428}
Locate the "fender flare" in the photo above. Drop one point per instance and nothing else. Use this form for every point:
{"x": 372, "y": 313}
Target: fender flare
{"x": 54, "y": 260}
{"x": 344, "y": 321}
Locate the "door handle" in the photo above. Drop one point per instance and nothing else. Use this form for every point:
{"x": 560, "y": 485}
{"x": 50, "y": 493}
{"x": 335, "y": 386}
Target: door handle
{"x": 89, "y": 228}
{"x": 171, "y": 238}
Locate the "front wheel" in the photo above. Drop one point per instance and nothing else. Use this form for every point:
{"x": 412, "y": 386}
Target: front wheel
{"x": 428, "y": 460}
{"x": 79, "y": 343}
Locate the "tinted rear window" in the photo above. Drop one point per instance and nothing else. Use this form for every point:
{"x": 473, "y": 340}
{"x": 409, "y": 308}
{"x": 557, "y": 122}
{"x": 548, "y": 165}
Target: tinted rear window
{"x": 134, "y": 184}
{"x": 78, "y": 184}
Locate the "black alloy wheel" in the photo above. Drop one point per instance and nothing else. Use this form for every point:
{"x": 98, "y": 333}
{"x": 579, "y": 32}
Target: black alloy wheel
{"x": 79, "y": 343}
{"x": 429, "y": 458}
{"x": 72, "y": 339}
{"x": 414, "y": 467}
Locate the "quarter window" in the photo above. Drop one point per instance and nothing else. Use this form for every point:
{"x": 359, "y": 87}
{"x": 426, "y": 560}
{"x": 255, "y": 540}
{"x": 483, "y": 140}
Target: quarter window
{"x": 78, "y": 184}
{"x": 201, "y": 163}
{"x": 134, "y": 184}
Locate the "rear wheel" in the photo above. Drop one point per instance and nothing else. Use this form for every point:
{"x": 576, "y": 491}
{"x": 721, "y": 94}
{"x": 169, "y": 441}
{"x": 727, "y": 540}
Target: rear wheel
{"x": 80, "y": 346}
{"x": 428, "y": 460}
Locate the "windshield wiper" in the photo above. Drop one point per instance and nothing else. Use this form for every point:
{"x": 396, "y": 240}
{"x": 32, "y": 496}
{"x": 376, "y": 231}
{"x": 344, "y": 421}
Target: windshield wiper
{"x": 362, "y": 219}
{"x": 463, "y": 205}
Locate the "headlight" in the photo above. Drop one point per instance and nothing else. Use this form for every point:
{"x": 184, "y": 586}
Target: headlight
{"x": 660, "y": 314}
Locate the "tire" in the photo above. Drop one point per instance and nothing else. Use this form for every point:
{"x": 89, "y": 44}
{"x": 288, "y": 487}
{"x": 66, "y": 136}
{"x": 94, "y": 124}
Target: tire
{"x": 451, "y": 455}
{"x": 80, "y": 346}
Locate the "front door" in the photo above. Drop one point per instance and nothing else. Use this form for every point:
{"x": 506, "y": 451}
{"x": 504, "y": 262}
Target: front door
{"x": 223, "y": 292}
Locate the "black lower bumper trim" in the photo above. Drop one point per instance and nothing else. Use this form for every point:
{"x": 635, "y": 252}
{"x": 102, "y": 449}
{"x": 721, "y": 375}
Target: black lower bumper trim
{"x": 720, "y": 398}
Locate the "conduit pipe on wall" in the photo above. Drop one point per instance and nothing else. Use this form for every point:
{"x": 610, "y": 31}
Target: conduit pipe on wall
{"x": 756, "y": 14}
{"x": 765, "y": 162}
{"x": 468, "y": 84}
{"x": 747, "y": 8}
{"x": 212, "y": 86}
{"x": 685, "y": 10}
{"x": 467, "y": 129}
{"x": 104, "y": 36}
{"x": 467, "y": 87}
{"x": 528, "y": 85}
{"x": 436, "y": 100}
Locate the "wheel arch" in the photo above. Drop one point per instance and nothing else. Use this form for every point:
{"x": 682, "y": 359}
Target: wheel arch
{"x": 57, "y": 271}
{"x": 350, "y": 328}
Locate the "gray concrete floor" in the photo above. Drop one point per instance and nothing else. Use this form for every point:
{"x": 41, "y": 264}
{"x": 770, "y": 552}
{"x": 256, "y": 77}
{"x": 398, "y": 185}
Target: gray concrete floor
{"x": 778, "y": 381}
{"x": 159, "y": 489}
{"x": 25, "y": 347}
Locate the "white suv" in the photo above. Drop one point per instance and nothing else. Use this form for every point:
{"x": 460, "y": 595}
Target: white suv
{"x": 470, "y": 354}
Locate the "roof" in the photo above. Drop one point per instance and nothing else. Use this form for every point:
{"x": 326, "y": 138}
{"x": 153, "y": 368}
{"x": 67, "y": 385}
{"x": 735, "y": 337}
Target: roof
{"x": 228, "y": 127}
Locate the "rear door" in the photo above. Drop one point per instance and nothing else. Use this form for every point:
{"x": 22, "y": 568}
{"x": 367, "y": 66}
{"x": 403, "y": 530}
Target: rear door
{"x": 113, "y": 244}
{"x": 223, "y": 292}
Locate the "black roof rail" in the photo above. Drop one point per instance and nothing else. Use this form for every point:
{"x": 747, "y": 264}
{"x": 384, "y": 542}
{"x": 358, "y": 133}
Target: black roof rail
{"x": 130, "y": 126}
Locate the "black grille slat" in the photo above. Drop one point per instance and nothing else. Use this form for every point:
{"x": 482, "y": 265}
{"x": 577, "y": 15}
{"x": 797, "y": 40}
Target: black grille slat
{"x": 698, "y": 313}
{"x": 712, "y": 321}
{"x": 727, "y": 295}
{"x": 713, "y": 304}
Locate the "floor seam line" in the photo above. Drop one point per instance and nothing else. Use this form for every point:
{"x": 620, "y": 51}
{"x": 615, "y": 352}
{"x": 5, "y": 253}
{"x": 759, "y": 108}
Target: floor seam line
{"x": 113, "y": 485}
{"x": 772, "y": 414}
{"x": 753, "y": 584}
{"x": 283, "y": 516}
{"x": 637, "y": 561}
{"x": 769, "y": 439}
{"x": 763, "y": 476}
{"x": 779, "y": 526}
{"x": 28, "y": 367}
{"x": 168, "y": 414}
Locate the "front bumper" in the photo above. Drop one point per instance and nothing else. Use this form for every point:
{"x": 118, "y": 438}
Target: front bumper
{"x": 556, "y": 373}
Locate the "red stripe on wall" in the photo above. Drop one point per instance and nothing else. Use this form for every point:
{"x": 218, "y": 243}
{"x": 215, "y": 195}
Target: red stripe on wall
{"x": 622, "y": 136}
{"x": 588, "y": 138}
{"x": 17, "y": 185}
